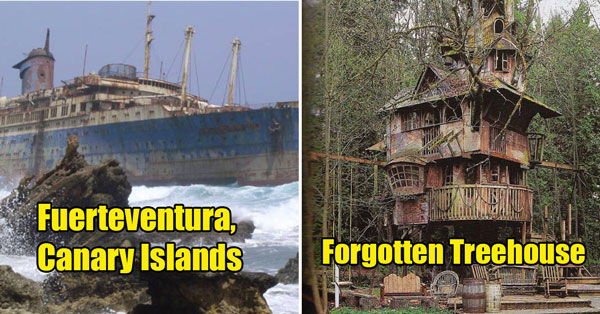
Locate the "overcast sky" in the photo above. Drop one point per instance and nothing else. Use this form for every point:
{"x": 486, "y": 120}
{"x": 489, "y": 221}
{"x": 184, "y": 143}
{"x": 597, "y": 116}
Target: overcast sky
{"x": 548, "y": 7}
{"x": 114, "y": 32}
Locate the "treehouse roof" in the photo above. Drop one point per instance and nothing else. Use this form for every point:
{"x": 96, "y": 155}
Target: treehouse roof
{"x": 438, "y": 85}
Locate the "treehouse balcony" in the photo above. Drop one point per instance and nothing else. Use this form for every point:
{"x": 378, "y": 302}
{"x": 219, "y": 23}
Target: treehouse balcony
{"x": 480, "y": 202}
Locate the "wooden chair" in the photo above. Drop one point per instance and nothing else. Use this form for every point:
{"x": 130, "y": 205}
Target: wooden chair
{"x": 553, "y": 281}
{"x": 394, "y": 285}
{"x": 516, "y": 278}
{"x": 445, "y": 284}
{"x": 480, "y": 272}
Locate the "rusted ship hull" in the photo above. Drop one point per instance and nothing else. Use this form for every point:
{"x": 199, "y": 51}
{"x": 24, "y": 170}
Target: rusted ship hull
{"x": 251, "y": 147}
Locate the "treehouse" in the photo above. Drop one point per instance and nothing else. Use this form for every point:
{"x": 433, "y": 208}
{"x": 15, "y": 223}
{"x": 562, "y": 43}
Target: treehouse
{"x": 458, "y": 147}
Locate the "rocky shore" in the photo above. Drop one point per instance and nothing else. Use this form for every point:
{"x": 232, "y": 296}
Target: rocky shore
{"x": 75, "y": 183}
{"x": 289, "y": 273}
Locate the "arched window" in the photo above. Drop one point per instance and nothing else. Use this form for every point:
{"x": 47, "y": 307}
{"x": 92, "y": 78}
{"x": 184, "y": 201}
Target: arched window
{"x": 405, "y": 178}
{"x": 498, "y": 26}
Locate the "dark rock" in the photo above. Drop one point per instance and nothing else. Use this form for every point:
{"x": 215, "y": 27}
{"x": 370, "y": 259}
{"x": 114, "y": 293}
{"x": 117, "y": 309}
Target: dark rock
{"x": 19, "y": 294}
{"x": 191, "y": 293}
{"x": 244, "y": 231}
{"x": 72, "y": 183}
{"x": 92, "y": 293}
{"x": 289, "y": 273}
{"x": 75, "y": 183}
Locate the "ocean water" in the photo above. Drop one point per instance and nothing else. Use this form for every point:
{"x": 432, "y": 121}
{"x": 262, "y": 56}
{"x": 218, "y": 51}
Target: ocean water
{"x": 275, "y": 212}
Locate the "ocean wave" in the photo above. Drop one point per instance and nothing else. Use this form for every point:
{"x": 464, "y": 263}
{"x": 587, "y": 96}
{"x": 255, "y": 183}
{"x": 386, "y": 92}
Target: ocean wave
{"x": 283, "y": 299}
{"x": 274, "y": 210}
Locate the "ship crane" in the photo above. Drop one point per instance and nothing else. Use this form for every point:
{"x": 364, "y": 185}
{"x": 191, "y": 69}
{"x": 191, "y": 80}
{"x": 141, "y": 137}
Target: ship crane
{"x": 149, "y": 18}
{"x": 189, "y": 31}
{"x": 236, "y": 49}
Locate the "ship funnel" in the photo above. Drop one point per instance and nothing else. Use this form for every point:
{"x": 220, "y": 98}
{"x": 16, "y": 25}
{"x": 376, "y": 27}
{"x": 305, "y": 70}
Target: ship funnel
{"x": 37, "y": 69}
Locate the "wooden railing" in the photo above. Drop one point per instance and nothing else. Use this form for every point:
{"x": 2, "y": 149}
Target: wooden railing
{"x": 480, "y": 202}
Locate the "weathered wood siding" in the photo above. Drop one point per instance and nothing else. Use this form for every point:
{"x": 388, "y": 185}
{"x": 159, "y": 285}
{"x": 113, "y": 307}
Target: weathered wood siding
{"x": 413, "y": 211}
{"x": 516, "y": 145}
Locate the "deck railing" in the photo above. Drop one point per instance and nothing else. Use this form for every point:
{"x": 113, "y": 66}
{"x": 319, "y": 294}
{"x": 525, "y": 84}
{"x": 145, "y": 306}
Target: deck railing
{"x": 480, "y": 202}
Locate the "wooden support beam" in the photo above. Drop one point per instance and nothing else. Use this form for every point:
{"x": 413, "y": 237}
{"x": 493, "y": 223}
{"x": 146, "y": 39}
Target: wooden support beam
{"x": 523, "y": 241}
{"x": 545, "y": 223}
{"x": 562, "y": 238}
{"x": 569, "y": 224}
{"x": 555, "y": 165}
{"x": 375, "y": 179}
{"x": 316, "y": 155}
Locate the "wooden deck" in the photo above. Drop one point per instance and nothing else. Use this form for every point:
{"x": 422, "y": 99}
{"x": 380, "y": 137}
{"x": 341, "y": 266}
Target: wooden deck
{"x": 595, "y": 308}
{"x": 537, "y": 302}
{"x": 584, "y": 289}
{"x": 480, "y": 202}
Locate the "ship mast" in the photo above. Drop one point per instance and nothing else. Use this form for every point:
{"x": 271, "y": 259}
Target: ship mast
{"x": 236, "y": 49}
{"x": 189, "y": 31}
{"x": 149, "y": 19}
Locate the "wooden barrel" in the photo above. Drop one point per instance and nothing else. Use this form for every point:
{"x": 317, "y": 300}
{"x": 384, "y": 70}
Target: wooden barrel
{"x": 493, "y": 297}
{"x": 473, "y": 296}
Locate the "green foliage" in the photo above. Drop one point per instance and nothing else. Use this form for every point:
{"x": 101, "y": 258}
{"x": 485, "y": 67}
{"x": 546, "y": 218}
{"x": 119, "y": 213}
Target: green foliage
{"x": 566, "y": 76}
{"x": 353, "y": 64}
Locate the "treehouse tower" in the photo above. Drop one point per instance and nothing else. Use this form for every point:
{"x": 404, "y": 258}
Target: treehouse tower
{"x": 457, "y": 146}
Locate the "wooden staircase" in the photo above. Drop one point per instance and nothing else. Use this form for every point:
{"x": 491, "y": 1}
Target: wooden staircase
{"x": 538, "y": 237}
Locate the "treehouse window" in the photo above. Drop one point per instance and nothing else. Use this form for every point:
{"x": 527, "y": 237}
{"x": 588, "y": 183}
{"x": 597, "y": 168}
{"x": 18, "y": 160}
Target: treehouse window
{"x": 471, "y": 176}
{"x": 497, "y": 140}
{"x": 503, "y": 174}
{"x": 404, "y": 176}
{"x": 448, "y": 175}
{"x": 430, "y": 135}
{"x": 516, "y": 176}
{"x": 419, "y": 119}
{"x": 475, "y": 110}
{"x": 452, "y": 113}
{"x": 410, "y": 121}
{"x": 501, "y": 61}
{"x": 498, "y": 26}
{"x": 494, "y": 173}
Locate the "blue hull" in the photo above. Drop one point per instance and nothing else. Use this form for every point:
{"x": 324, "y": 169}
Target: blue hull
{"x": 255, "y": 147}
